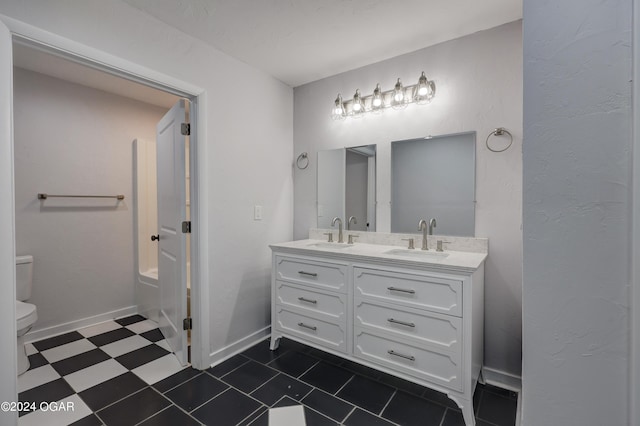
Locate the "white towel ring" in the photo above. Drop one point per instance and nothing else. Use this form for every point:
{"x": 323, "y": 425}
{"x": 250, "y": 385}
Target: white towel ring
{"x": 500, "y": 131}
{"x": 304, "y": 158}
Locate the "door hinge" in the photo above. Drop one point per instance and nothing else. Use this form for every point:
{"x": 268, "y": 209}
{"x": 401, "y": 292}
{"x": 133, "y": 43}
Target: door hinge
{"x": 186, "y": 227}
{"x": 187, "y": 324}
{"x": 185, "y": 129}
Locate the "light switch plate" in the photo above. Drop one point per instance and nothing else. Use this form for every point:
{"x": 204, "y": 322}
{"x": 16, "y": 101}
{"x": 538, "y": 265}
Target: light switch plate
{"x": 257, "y": 212}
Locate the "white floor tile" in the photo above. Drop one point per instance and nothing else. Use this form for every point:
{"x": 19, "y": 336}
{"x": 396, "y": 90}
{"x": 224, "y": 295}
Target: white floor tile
{"x": 30, "y": 349}
{"x": 163, "y": 344}
{"x": 68, "y": 350}
{"x": 91, "y": 376}
{"x": 121, "y": 347}
{"x": 158, "y": 369}
{"x": 142, "y": 326}
{"x": 76, "y": 409}
{"x": 103, "y": 327}
{"x": 287, "y": 416}
{"x": 36, "y": 377}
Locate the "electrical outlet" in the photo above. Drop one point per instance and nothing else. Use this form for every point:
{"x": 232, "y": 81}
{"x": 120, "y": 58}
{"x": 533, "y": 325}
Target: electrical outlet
{"x": 257, "y": 212}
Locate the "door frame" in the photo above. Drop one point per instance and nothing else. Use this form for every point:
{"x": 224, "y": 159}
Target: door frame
{"x": 111, "y": 64}
{"x": 634, "y": 323}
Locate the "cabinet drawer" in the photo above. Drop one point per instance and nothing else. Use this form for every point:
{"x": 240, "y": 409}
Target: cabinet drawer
{"x": 443, "y": 332}
{"x": 435, "y": 367}
{"x": 325, "y": 333}
{"x": 418, "y": 291}
{"x": 332, "y": 304}
{"x": 326, "y": 275}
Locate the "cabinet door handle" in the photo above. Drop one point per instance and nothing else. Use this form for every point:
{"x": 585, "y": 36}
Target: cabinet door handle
{"x": 402, "y": 290}
{"x": 409, "y": 357}
{"x": 302, "y": 299}
{"x": 310, "y": 327}
{"x": 395, "y": 321}
{"x": 312, "y": 274}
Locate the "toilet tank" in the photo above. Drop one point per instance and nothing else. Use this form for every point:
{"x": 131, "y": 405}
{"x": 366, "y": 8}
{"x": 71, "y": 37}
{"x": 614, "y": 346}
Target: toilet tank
{"x": 24, "y": 277}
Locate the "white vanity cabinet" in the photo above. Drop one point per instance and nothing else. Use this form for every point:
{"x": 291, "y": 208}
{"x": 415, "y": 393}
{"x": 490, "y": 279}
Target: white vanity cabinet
{"x": 417, "y": 320}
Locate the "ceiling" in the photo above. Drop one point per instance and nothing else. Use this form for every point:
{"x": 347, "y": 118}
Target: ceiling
{"x": 300, "y": 41}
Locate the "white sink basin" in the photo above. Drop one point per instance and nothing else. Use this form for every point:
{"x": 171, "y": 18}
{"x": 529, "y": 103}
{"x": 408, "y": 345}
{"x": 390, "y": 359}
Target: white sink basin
{"x": 422, "y": 254}
{"x": 327, "y": 245}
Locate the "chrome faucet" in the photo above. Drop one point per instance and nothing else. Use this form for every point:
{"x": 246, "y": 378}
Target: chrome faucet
{"x": 432, "y": 224}
{"x": 351, "y": 219}
{"x": 333, "y": 223}
{"x": 422, "y": 226}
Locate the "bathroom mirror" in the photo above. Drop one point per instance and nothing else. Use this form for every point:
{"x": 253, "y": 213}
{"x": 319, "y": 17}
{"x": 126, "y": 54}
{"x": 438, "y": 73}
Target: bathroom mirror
{"x": 346, "y": 187}
{"x": 434, "y": 177}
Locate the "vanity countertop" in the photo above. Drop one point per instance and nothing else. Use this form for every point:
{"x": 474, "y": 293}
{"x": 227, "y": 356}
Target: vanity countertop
{"x": 447, "y": 261}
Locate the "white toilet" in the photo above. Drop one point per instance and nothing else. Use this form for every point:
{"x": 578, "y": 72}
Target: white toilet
{"x": 26, "y": 314}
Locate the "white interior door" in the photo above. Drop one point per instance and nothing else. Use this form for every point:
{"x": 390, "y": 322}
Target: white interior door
{"x": 172, "y": 269}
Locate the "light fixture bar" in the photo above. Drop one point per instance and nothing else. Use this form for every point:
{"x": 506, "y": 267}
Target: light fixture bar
{"x": 398, "y": 98}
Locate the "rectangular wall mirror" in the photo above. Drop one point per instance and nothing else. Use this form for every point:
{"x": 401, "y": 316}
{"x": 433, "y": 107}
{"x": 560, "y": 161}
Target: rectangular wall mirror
{"x": 346, "y": 187}
{"x": 434, "y": 177}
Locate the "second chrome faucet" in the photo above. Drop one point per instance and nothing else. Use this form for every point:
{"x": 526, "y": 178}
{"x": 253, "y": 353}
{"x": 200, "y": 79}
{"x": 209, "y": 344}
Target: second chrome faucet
{"x": 333, "y": 223}
{"x": 426, "y": 230}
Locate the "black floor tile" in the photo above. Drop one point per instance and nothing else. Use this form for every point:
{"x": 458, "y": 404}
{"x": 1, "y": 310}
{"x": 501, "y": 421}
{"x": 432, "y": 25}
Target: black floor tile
{"x": 312, "y": 418}
{"x": 253, "y": 418}
{"x": 293, "y": 363}
{"x": 454, "y": 418}
{"x": 249, "y": 376}
{"x": 477, "y": 397}
{"x": 52, "y": 342}
{"x": 134, "y": 409}
{"x": 362, "y": 418}
{"x": 111, "y": 336}
{"x": 37, "y": 360}
{"x": 176, "y": 379}
{"x": 279, "y": 386}
{"x": 227, "y": 409}
{"x": 141, "y": 356}
{"x": 130, "y": 320}
{"x": 227, "y": 366}
{"x": 409, "y": 410}
{"x": 403, "y": 385}
{"x": 360, "y": 369}
{"x": 327, "y": 377}
{"x": 327, "y": 357}
{"x": 154, "y": 335}
{"x": 498, "y": 391}
{"x": 262, "y": 353}
{"x": 172, "y": 416}
{"x": 78, "y": 362}
{"x": 48, "y": 392}
{"x": 292, "y": 345}
{"x": 497, "y": 409}
{"x": 366, "y": 393}
{"x": 90, "y": 420}
{"x": 105, "y": 393}
{"x": 328, "y": 405}
{"x": 440, "y": 398}
{"x": 195, "y": 392}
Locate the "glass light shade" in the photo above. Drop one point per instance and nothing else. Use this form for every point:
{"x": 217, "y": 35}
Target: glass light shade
{"x": 338, "y": 112}
{"x": 397, "y": 96}
{"x": 377, "y": 101}
{"x": 358, "y": 105}
{"x": 423, "y": 91}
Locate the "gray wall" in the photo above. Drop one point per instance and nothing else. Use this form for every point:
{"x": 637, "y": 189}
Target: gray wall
{"x": 479, "y": 87}
{"x": 577, "y": 121}
{"x": 70, "y": 139}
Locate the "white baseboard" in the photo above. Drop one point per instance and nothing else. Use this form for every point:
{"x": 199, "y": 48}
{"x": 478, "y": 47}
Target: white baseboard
{"x": 238, "y": 346}
{"x": 502, "y": 379}
{"x": 45, "y": 333}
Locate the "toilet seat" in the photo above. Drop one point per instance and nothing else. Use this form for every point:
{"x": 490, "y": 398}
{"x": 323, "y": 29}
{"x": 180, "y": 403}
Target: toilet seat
{"x": 26, "y": 314}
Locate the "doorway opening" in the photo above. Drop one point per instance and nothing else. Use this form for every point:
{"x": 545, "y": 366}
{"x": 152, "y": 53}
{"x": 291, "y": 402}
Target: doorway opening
{"x": 64, "y": 66}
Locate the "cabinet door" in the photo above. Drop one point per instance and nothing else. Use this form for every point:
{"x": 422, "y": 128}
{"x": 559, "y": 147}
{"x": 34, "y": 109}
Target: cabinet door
{"x": 419, "y": 291}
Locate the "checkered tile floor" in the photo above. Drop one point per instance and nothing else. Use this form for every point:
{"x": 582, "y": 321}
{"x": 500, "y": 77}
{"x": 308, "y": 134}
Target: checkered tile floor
{"x": 122, "y": 373}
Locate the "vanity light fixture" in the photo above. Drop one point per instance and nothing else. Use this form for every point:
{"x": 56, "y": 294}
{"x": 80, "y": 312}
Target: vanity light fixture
{"x": 398, "y": 98}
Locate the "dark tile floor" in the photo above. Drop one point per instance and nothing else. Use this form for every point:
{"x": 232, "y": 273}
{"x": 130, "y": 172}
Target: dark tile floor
{"x": 122, "y": 374}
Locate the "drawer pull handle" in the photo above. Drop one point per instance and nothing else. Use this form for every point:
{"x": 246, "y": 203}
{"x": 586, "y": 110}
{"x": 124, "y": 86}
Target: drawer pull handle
{"x": 402, "y": 290}
{"x": 302, "y": 299}
{"x": 409, "y": 357}
{"x": 395, "y": 321}
{"x": 312, "y": 274}
{"x": 310, "y": 327}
